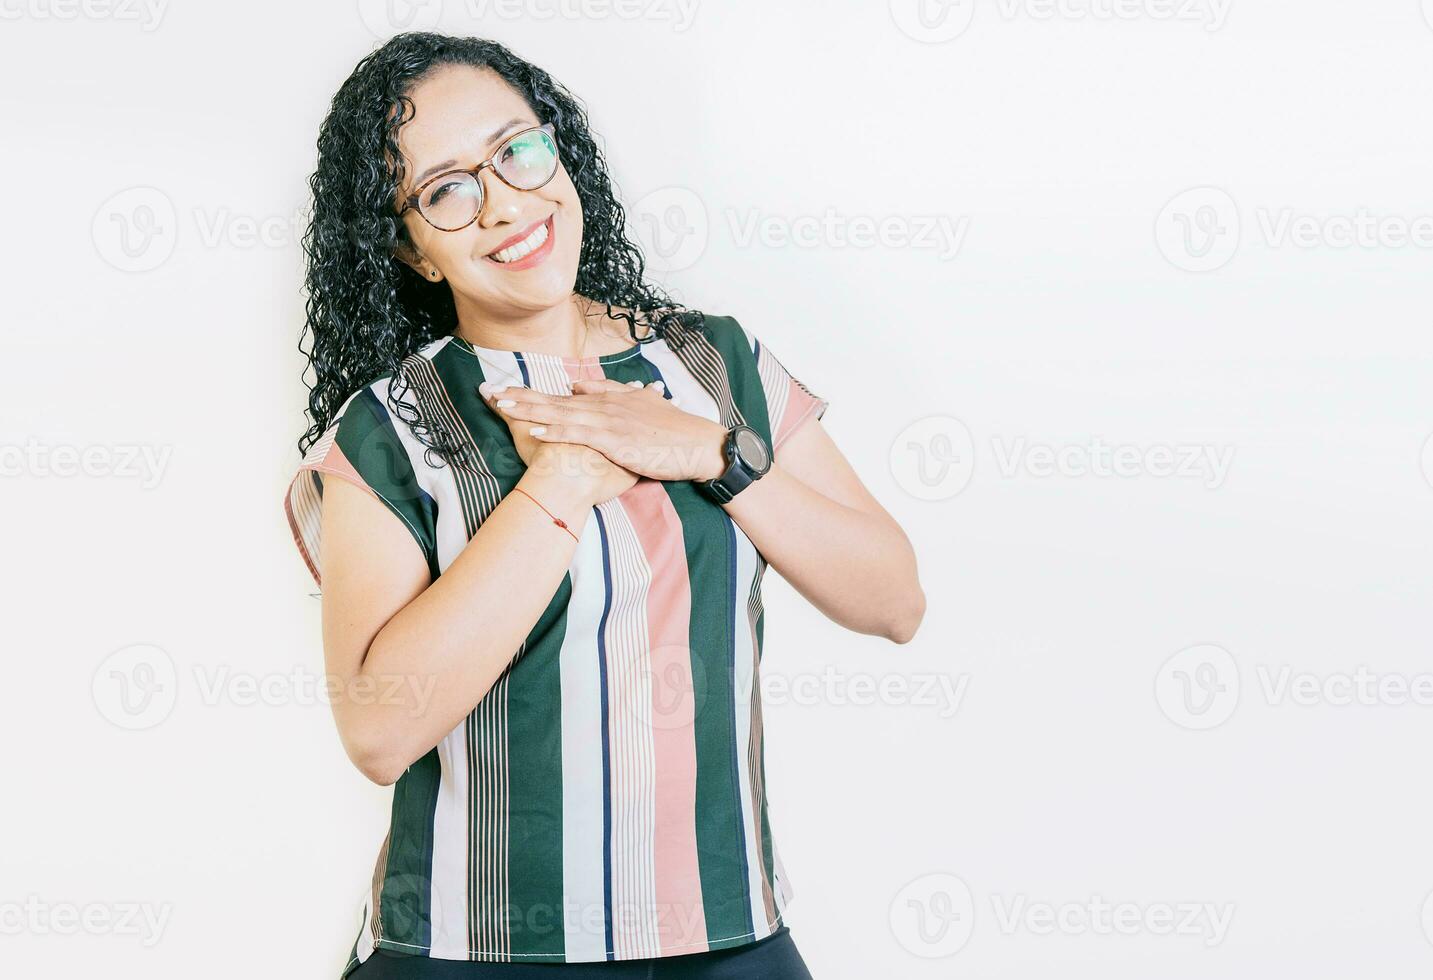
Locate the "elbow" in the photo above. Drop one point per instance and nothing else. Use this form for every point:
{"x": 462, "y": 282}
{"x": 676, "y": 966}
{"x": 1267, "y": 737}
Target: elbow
{"x": 382, "y": 768}
{"x": 908, "y": 603}
{"x": 381, "y": 771}
{"x": 902, "y": 629}
{"x": 375, "y": 758}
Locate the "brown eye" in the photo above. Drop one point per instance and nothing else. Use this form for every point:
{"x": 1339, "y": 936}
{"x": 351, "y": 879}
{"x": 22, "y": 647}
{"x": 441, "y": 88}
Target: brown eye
{"x": 528, "y": 160}
{"x": 451, "y": 201}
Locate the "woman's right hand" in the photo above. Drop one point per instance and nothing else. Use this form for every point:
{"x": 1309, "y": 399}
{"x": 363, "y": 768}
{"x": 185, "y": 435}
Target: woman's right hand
{"x": 599, "y": 477}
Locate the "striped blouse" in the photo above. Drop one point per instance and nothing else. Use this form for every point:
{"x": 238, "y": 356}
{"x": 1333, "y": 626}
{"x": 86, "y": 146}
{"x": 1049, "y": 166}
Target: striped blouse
{"x": 606, "y": 799}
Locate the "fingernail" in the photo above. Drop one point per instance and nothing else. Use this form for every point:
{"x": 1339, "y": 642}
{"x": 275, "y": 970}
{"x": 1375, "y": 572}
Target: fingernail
{"x": 658, "y": 384}
{"x": 634, "y": 384}
{"x": 537, "y": 430}
{"x": 506, "y": 403}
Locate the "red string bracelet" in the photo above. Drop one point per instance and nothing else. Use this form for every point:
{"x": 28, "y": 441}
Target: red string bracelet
{"x": 555, "y": 519}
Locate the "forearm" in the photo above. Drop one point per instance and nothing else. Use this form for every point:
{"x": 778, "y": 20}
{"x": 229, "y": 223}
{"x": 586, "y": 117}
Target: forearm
{"x": 442, "y": 652}
{"x": 857, "y": 568}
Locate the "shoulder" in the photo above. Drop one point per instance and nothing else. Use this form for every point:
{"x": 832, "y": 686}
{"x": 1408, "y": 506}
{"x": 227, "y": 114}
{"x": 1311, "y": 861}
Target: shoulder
{"x": 729, "y": 333}
{"x": 366, "y": 446}
{"x": 723, "y": 332}
{"x": 366, "y": 415}
{"x": 786, "y": 402}
{"x": 362, "y": 417}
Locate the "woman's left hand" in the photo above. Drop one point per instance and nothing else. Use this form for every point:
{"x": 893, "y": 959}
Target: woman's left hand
{"x": 634, "y": 426}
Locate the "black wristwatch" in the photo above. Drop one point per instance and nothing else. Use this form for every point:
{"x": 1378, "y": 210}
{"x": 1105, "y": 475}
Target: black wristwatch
{"x": 747, "y": 460}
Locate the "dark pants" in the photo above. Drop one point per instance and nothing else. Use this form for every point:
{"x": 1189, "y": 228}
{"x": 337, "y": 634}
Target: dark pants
{"x": 772, "y": 958}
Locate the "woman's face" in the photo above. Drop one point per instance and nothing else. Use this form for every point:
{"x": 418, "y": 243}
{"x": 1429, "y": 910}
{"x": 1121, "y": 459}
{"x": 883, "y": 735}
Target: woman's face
{"x": 461, "y": 115}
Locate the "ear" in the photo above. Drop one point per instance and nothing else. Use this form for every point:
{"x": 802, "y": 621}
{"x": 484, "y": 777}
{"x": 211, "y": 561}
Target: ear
{"x": 404, "y": 251}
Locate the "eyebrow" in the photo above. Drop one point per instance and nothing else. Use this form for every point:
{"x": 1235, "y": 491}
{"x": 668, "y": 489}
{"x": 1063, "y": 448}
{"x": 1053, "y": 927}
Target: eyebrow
{"x": 438, "y": 168}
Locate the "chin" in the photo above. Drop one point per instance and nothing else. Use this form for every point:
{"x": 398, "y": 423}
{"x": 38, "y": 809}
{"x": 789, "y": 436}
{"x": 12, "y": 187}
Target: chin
{"x": 536, "y": 293}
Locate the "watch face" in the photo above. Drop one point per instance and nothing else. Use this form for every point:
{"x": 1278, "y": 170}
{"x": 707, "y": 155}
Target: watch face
{"x": 752, "y": 449}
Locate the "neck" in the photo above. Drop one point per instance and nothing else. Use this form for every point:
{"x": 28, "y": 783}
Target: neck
{"x": 562, "y": 329}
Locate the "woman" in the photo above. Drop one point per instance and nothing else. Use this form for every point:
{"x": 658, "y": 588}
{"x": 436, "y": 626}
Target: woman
{"x": 541, "y": 602}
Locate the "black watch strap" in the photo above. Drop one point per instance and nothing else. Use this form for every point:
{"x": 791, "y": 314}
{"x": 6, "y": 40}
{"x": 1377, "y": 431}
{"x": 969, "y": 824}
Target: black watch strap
{"x": 742, "y": 468}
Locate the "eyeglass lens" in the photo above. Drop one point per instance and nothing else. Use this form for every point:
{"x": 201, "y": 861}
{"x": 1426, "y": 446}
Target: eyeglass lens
{"x": 526, "y": 162}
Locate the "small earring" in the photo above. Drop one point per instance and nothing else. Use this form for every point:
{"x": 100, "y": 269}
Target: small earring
{"x": 433, "y": 275}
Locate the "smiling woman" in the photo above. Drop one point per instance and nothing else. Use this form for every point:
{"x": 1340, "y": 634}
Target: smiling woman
{"x": 544, "y": 539}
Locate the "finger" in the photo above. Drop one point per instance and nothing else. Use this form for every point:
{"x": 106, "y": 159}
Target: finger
{"x": 490, "y": 392}
{"x": 593, "y": 437}
{"x": 593, "y": 386}
{"x": 564, "y": 411}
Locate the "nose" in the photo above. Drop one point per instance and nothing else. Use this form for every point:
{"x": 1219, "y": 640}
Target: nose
{"x": 501, "y": 203}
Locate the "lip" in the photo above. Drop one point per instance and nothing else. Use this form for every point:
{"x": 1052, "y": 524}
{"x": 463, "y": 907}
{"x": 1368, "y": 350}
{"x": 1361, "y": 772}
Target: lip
{"x": 530, "y": 259}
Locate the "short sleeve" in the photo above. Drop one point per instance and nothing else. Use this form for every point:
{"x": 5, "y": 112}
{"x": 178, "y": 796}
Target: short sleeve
{"x": 361, "y": 445}
{"x": 788, "y": 401}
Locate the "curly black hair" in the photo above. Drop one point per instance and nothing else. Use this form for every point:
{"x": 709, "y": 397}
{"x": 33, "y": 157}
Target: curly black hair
{"x": 367, "y": 312}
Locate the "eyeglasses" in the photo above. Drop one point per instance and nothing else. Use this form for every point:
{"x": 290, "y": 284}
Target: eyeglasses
{"x": 452, "y": 200}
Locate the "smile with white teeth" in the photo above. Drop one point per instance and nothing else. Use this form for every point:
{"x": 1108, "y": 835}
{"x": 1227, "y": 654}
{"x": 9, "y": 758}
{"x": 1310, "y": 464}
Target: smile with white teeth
{"x": 514, "y": 252}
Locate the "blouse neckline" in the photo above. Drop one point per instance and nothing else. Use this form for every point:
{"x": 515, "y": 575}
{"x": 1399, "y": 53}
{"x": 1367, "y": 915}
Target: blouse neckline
{"x": 588, "y": 360}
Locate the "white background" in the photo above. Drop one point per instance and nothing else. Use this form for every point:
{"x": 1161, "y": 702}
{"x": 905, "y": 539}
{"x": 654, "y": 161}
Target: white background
{"x": 924, "y": 838}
